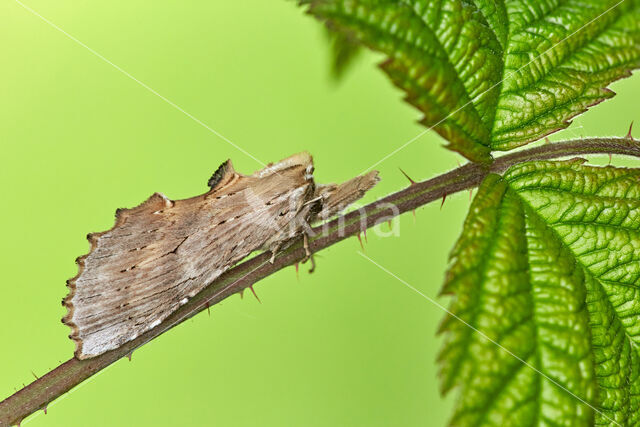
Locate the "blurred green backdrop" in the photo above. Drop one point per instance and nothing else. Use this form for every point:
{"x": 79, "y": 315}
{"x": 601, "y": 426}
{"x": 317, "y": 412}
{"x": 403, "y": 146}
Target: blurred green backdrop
{"x": 348, "y": 345}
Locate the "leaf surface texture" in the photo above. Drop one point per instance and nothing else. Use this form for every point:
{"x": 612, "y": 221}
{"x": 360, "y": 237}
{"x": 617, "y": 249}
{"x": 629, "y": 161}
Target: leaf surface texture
{"x": 545, "y": 313}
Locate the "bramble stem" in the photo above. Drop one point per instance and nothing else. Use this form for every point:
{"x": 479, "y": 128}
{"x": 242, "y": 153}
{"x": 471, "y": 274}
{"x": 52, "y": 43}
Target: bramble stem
{"x": 54, "y": 384}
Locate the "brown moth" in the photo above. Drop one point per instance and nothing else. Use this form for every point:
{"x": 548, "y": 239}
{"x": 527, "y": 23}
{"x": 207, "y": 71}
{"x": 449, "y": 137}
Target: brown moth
{"x": 163, "y": 252}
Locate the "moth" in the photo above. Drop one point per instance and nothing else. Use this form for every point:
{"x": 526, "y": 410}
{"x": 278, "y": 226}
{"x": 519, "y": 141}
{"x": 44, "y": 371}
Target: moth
{"x": 163, "y": 252}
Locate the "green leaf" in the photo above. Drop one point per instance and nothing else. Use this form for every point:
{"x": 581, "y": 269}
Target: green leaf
{"x": 462, "y": 64}
{"x": 344, "y": 51}
{"x": 547, "y": 272}
{"x": 560, "y": 57}
{"x": 495, "y": 74}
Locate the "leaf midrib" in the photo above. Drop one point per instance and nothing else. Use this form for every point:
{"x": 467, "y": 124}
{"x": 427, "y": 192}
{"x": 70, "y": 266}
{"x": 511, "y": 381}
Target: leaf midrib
{"x": 533, "y": 212}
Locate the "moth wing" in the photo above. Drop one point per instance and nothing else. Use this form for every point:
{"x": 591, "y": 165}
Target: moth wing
{"x": 163, "y": 252}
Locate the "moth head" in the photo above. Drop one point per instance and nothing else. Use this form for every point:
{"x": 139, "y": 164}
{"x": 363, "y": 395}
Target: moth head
{"x": 301, "y": 160}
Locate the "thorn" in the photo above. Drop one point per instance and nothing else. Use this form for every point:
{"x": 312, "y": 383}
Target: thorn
{"x": 470, "y": 194}
{"x": 298, "y": 271}
{"x": 546, "y": 140}
{"x": 360, "y": 240}
{"x": 444, "y": 197}
{"x": 408, "y": 177}
{"x": 458, "y": 162}
{"x": 242, "y": 294}
{"x": 208, "y": 308}
{"x": 45, "y": 409}
{"x": 629, "y": 133}
{"x": 129, "y": 356}
{"x": 36, "y": 377}
{"x": 254, "y": 294}
{"x": 389, "y": 224}
{"x": 610, "y": 157}
{"x": 413, "y": 211}
{"x": 364, "y": 233}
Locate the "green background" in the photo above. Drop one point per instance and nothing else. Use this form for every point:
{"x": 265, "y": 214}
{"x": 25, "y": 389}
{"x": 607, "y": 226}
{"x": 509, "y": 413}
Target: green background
{"x": 348, "y": 345}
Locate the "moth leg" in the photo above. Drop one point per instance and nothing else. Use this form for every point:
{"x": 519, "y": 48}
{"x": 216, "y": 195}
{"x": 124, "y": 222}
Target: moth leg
{"x": 274, "y": 251}
{"x": 307, "y": 250}
{"x": 313, "y": 264}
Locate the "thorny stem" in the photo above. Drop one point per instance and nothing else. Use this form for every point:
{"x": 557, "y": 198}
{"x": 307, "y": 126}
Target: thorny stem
{"x": 62, "y": 379}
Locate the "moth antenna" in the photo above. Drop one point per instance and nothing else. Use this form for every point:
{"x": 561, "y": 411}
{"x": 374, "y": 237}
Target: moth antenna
{"x": 444, "y": 197}
{"x": 254, "y": 294}
{"x": 360, "y": 240}
{"x": 412, "y": 182}
{"x": 629, "y": 132}
{"x": 129, "y": 355}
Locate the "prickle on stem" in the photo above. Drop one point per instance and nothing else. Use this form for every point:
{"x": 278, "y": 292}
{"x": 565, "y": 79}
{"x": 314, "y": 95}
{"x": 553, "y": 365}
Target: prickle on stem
{"x": 254, "y": 294}
{"x": 411, "y": 181}
{"x": 444, "y": 197}
{"x": 360, "y": 240}
{"x": 629, "y": 136}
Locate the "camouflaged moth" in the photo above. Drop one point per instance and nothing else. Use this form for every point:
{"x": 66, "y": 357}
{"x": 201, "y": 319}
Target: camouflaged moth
{"x": 163, "y": 252}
